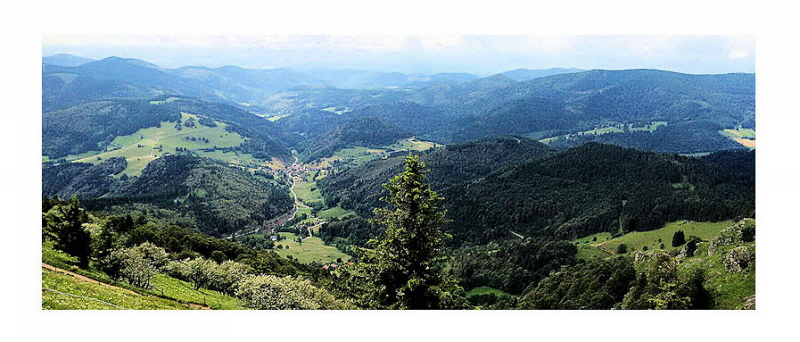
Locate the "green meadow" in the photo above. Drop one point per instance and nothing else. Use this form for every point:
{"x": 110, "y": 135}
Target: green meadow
{"x": 148, "y": 144}
{"x": 605, "y": 245}
{"x": 312, "y": 249}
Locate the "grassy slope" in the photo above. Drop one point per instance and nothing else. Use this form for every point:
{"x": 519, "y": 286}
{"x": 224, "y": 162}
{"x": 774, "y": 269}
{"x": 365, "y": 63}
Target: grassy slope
{"x": 141, "y": 147}
{"x": 91, "y": 293}
{"x": 175, "y": 291}
{"x": 312, "y": 249}
{"x": 183, "y": 291}
{"x": 726, "y": 289}
{"x": 637, "y": 240}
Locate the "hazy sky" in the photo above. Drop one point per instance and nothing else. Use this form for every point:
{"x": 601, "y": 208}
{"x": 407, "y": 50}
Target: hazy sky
{"x": 424, "y": 54}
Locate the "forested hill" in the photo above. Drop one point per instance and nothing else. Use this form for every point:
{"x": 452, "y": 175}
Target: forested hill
{"x": 191, "y": 191}
{"x": 92, "y": 126}
{"x": 579, "y": 191}
{"x": 366, "y": 131}
{"x": 598, "y": 188}
{"x": 360, "y": 188}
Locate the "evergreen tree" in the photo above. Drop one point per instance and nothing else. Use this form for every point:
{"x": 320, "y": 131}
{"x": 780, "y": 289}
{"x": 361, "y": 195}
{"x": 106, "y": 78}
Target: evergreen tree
{"x": 405, "y": 264}
{"x": 679, "y": 238}
{"x": 66, "y": 226}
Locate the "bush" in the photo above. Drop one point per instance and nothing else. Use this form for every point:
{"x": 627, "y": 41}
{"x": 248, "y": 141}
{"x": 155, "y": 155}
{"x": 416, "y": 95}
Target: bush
{"x": 286, "y": 293}
{"x": 622, "y": 249}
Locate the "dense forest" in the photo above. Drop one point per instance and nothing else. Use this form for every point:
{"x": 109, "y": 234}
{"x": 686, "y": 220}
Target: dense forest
{"x": 580, "y": 191}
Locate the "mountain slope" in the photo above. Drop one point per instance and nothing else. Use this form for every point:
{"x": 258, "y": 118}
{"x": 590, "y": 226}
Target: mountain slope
{"x": 217, "y": 198}
{"x": 360, "y": 188}
{"x": 575, "y": 192}
{"x": 365, "y": 131}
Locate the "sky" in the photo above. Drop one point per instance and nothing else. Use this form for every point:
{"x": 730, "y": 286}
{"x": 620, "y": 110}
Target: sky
{"x": 424, "y": 54}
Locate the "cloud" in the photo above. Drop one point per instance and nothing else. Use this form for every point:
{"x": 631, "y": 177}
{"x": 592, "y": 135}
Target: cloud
{"x": 741, "y": 47}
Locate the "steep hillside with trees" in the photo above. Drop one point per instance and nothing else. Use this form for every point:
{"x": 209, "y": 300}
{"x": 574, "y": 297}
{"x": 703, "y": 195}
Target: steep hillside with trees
{"x": 217, "y": 198}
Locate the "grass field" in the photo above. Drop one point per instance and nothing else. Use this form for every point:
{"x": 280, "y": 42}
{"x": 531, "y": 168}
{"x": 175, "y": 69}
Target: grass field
{"x": 185, "y": 292}
{"x": 177, "y": 292}
{"x": 148, "y": 144}
{"x": 618, "y": 128}
{"x": 64, "y": 292}
{"x": 336, "y": 212}
{"x": 312, "y": 249}
{"x": 413, "y": 144}
{"x": 744, "y": 136}
{"x": 636, "y": 241}
{"x": 308, "y": 192}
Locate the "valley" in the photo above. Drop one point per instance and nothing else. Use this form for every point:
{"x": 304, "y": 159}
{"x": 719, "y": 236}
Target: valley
{"x": 231, "y": 188}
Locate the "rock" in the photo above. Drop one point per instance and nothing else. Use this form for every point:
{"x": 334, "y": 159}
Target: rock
{"x": 646, "y": 256}
{"x": 749, "y": 303}
{"x": 738, "y": 259}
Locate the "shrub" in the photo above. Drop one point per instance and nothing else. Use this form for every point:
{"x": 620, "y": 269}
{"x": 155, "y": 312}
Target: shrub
{"x": 269, "y": 292}
{"x": 622, "y": 249}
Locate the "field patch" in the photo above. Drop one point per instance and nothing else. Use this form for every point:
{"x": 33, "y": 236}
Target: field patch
{"x": 335, "y": 212}
{"x": 637, "y": 241}
{"x": 609, "y": 129}
{"x": 312, "y": 249}
{"x": 744, "y": 136}
{"x": 148, "y": 144}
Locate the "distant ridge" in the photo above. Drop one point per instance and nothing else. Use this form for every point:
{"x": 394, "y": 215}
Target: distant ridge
{"x": 66, "y": 60}
{"x": 521, "y": 75}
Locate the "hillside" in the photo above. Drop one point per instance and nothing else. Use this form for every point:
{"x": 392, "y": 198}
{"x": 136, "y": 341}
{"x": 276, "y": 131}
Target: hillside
{"x": 360, "y": 188}
{"x": 100, "y": 127}
{"x": 715, "y": 273}
{"x": 191, "y": 191}
{"x": 589, "y": 189}
{"x": 366, "y": 131}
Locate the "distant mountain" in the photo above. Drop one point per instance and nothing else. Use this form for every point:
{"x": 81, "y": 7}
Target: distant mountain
{"x": 66, "y": 60}
{"x": 452, "y": 77}
{"x": 444, "y": 108}
{"x": 528, "y": 74}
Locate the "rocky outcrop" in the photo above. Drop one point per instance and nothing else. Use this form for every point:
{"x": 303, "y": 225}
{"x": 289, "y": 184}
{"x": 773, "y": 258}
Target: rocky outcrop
{"x": 738, "y": 259}
{"x": 731, "y": 235}
{"x": 646, "y": 256}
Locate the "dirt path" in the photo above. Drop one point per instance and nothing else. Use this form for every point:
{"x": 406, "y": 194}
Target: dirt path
{"x": 153, "y": 148}
{"x": 86, "y": 279}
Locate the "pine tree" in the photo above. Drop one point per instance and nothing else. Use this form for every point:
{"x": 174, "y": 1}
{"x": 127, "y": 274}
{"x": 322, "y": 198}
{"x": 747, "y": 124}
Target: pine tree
{"x": 405, "y": 264}
{"x": 70, "y": 236}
